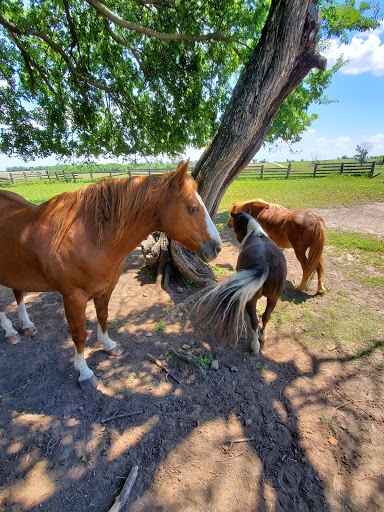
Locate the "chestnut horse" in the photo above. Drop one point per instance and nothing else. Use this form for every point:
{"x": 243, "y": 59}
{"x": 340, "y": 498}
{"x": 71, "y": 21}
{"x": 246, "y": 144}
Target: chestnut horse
{"x": 76, "y": 243}
{"x": 261, "y": 271}
{"x": 300, "y": 229}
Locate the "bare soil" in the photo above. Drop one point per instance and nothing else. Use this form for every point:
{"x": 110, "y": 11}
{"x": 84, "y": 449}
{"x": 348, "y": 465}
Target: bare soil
{"x": 309, "y": 421}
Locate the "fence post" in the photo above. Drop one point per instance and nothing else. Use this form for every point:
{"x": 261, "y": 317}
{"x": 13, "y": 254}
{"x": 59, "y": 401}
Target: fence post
{"x": 74, "y": 177}
{"x": 342, "y": 168}
{"x": 49, "y": 178}
{"x": 372, "y": 169}
{"x": 262, "y": 171}
{"x": 57, "y": 177}
{"x": 288, "y": 170}
{"x": 315, "y": 170}
{"x": 25, "y": 176}
{"x": 11, "y": 178}
{"x": 90, "y": 172}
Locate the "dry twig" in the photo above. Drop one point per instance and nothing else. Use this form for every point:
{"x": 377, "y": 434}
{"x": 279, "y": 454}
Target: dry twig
{"x": 162, "y": 367}
{"x": 122, "y": 498}
{"x": 355, "y": 402}
{"x": 118, "y": 416}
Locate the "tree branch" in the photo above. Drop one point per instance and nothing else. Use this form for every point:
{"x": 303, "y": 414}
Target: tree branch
{"x": 104, "y": 11}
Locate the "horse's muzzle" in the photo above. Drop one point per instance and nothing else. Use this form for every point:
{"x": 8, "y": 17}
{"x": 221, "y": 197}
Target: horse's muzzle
{"x": 209, "y": 250}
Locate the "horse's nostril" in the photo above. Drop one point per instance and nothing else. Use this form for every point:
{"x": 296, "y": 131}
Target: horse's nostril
{"x": 218, "y": 249}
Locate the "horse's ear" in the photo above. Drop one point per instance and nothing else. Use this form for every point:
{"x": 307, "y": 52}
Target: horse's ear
{"x": 180, "y": 173}
{"x": 248, "y": 211}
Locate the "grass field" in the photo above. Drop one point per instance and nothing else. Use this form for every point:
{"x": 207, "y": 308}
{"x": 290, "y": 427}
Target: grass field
{"x": 295, "y": 193}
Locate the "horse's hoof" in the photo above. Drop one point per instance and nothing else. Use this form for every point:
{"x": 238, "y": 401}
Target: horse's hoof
{"x": 13, "y": 340}
{"x": 117, "y": 351}
{"x": 89, "y": 384}
{"x": 30, "y": 331}
{"x": 321, "y": 291}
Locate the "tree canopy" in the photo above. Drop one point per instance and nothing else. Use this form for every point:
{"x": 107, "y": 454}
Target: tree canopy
{"x": 135, "y": 77}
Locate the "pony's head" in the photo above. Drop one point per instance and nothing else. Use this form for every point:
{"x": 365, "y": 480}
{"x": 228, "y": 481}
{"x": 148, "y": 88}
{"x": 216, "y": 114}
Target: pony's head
{"x": 243, "y": 224}
{"x": 185, "y": 219}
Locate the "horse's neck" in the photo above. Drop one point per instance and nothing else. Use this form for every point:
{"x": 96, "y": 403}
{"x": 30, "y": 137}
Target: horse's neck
{"x": 252, "y": 227}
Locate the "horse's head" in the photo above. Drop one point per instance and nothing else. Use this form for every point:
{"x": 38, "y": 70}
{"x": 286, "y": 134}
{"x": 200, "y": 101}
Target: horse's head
{"x": 243, "y": 223}
{"x": 185, "y": 219}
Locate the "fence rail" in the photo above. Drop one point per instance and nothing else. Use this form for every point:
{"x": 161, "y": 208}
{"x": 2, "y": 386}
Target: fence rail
{"x": 251, "y": 171}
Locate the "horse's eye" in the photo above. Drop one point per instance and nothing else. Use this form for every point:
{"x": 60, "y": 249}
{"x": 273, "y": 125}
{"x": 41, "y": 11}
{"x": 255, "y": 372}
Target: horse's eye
{"x": 193, "y": 209}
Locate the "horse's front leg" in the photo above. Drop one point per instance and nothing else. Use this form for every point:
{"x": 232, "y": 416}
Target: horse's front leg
{"x": 28, "y": 326}
{"x": 11, "y": 335}
{"x": 101, "y": 306}
{"x": 74, "y": 306}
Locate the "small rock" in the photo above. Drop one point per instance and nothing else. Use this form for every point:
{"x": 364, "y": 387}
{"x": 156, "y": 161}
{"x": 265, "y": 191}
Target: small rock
{"x": 148, "y": 334}
{"x": 102, "y": 429}
{"x": 186, "y": 347}
{"x": 215, "y": 364}
{"x": 81, "y": 408}
{"x": 145, "y": 294}
{"x": 83, "y": 459}
{"x": 180, "y": 314}
{"x": 179, "y": 289}
{"x": 248, "y": 422}
{"x": 234, "y": 368}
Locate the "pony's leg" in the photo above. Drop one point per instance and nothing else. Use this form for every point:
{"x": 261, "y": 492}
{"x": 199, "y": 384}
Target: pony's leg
{"x": 320, "y": 272}
{"x": 101, "y": 305}
{"x": 28, "y": 327}
{"x": 251, "y": 310}
{"x": 271, "y": 304}
{"x": 11, "y": 336}
{"x": 300, "y": 255}
{"x": 74, "y": 306}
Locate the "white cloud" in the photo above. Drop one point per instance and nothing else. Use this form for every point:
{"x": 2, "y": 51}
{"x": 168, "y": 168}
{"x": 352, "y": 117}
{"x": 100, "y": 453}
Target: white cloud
{"x": 365, "y": 53}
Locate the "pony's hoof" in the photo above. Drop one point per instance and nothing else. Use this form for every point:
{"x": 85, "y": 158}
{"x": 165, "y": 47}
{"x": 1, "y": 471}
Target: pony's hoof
{"x": 321, "y": 291}
{"x": 117, "y": 351}
{"x": 89, "y": 384}
{"x": 30, "y": 331}
{"x": 13, "y": 340}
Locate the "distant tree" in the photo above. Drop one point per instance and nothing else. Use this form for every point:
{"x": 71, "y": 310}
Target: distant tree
{"x": 344, "y": 157}
{"x": 362, "y": 151}
{"x": 315, "y": 157}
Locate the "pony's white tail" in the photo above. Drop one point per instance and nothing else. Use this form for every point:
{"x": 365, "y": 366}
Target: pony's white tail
{"x": 222, "y": 309}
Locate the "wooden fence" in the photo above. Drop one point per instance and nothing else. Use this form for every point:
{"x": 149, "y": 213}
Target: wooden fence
{"x": 318, "y": 170}
{"x": 251, "y": 171}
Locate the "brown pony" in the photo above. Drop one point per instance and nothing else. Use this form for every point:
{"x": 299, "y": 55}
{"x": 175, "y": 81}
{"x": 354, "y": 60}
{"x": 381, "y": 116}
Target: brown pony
{"x": 300, "y": 229}
{"x": 261, "y": 270}
{"x": 76, "y": 243}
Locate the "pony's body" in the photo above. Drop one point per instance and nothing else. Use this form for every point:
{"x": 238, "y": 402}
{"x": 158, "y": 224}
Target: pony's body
{"x": 76, "y": 243}
{"x": 297, "y": 229}
{"x": 261, "y": 271}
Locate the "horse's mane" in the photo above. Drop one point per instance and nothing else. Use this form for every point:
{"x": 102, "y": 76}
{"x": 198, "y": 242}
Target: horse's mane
{"x": 118, "y": 202}
{"x": 261, "y": 202}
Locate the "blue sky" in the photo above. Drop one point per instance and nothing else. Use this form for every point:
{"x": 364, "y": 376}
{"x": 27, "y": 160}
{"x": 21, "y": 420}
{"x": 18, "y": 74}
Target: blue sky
{"x": 358, "y": 115}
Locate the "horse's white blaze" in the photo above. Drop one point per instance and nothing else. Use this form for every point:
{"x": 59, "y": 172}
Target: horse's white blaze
{"x": 82, "y": 367}
{"x": 105, "y": 339}
{"x": 211, "y": 228}
{"x": 7, "y": 326}
{"x": 23, "y": 316}
{"x": 255, "y": 344}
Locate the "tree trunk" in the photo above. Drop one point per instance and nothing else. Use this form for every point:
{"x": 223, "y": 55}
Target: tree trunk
{"x": 285, "y": 54}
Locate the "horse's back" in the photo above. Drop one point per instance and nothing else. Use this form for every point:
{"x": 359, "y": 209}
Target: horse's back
{"x": 11, "y": 199}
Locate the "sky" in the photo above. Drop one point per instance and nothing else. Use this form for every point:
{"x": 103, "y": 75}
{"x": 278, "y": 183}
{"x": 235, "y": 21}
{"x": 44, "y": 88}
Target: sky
{"x": 356, "y": 117}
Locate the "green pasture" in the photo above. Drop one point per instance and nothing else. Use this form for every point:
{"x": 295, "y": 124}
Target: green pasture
{"x": 294, "y": 193}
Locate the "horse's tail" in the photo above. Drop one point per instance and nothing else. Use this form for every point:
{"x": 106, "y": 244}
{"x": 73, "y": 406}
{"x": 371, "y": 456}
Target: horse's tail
{"x": 221, "y": 310}
{"x": 315, "y": 255}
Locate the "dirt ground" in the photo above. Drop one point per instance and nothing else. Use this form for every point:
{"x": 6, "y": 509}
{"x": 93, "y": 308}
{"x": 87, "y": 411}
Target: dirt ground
{"x": 57, "y": 454}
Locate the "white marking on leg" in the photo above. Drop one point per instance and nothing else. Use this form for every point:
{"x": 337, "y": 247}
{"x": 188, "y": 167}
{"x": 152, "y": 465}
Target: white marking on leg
{"x": 7, "y": 326}
{"x": 81, "y": 366}
{"x": 105, "y": 339}
{"x": 211, "y": 228}
{"x": 255, "y": 345}
{"x": 23, "y": 316}
{"x": 263, "y": 334}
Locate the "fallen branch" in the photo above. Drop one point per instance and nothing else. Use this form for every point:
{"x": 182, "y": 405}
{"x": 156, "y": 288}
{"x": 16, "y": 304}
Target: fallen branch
{"x": 122, "y": 498}
{"x": 118, "y": 416}
{"x": 162, "y": 367}
{"x": 231, "y": 442}
{"x": 187, "y": 359}
{"x": 229, "y": 458}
